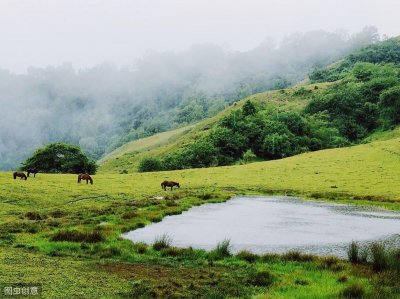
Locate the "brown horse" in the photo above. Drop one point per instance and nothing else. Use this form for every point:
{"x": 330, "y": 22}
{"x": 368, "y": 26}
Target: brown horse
{"x": 171, "y": 184}
{"x": 20, "y": 175}
{"x": 85, "y": 176}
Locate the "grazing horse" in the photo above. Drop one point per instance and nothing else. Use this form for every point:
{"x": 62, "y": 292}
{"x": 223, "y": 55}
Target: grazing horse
{"x": 171, "y": 184}
{"x": 85, "y": 176}
{"x": 20, "y": 175}
{"x": 32, "y": 170}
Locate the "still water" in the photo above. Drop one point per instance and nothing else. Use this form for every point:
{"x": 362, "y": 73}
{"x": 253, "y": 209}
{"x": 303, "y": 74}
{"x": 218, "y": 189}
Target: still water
{"x": 275, "y": 224}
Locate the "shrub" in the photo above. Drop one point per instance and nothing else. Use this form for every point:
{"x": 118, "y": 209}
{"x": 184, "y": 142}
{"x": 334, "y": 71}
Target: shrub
{"x": 353, "y": 291}
{"x": 162, "y": 242}
{"x": 249, "y": 156}
{"x": 150, "y": 164}
{"x": 247, "y": 256}
{"x": 78, "y": 236}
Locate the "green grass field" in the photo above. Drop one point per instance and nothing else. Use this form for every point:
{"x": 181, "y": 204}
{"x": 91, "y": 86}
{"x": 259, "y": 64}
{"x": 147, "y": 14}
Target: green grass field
{"x": 93, "y": 261}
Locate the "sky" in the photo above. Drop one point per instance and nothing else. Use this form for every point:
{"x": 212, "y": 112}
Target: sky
{"x": 85, "y": 33}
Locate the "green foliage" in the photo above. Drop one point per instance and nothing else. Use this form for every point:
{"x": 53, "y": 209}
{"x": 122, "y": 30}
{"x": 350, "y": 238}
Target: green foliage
{"x": 390, "y": 106}
{"x": 60, "y": 158}
{"x": 249, "y": 156}
{"x": 150, "y": 164}
{"x": 379, "y": 53}
{"x": 365, "y": 100}
{"x": 249, "y": 108}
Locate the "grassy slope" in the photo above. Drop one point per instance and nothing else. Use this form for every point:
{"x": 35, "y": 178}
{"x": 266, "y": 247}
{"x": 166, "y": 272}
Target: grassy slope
{"x": 368, "y": 173}
{"x": 128, "y": 156}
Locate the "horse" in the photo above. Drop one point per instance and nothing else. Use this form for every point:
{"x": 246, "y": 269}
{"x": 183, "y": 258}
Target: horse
{"x": 20, "y": 175}
{"x": 85, "y": 176}
{"x": 171, "y": 184}
{"x": 32, "y": 170}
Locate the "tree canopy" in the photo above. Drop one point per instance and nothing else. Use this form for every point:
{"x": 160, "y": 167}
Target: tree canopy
{"x": 60, "y": 158}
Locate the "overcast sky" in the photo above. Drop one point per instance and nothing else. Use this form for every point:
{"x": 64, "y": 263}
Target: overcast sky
{"x": 88, "y": 32}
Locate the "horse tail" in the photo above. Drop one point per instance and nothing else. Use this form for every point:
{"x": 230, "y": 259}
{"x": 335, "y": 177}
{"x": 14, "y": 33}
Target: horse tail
{"x": 91, "y": 180}
{"x": 15, "y": 175}
{"x": 162, "y": 185}
{"x": 79, "y": 178}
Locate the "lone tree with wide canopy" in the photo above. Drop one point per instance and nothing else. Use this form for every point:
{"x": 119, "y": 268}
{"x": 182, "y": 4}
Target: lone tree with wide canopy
{"x": 60, "y": 157}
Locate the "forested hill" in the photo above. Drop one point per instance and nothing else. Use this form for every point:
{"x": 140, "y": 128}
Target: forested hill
{"x": 363, "y": 100}
{"x": 105, "y": 106}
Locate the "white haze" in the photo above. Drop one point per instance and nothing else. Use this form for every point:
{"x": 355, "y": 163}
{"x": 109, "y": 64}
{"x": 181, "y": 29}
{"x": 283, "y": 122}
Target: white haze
{"x": 88, "y": 32}
{"x": 95, "y": 106}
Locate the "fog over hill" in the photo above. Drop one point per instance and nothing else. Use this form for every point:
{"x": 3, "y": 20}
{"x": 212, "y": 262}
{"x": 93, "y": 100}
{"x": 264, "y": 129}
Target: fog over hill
{"x": 102, "y": 107}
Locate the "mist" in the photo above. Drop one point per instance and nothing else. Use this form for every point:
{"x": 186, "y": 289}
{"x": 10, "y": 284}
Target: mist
{"x": 102, "y": 107}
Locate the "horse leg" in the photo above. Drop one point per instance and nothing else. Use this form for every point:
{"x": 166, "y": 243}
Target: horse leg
{"x": 87, "y": 181}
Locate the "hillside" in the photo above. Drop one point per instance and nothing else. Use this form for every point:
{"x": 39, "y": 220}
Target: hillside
{"x": 127, "y": 157}
{"x": 287, "y": 122}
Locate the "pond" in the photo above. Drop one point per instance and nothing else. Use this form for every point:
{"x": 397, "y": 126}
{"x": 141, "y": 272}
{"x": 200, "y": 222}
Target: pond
{"x": 276, "y": 224}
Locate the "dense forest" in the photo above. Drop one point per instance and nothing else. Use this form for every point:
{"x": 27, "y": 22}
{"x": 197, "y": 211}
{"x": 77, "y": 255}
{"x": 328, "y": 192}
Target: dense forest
{"x": 106, "y": 106}
{"x": 366, "y": 99}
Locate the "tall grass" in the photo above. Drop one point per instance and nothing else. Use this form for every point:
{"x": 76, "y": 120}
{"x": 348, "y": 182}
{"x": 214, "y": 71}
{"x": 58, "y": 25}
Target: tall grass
{"x": 162, "y": 242}
{"x": 377, "y": 254}
{"x": 352, "y": 252}
{"x": 222, "y": 250}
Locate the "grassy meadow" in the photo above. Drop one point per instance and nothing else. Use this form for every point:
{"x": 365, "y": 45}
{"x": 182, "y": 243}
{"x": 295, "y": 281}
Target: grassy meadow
{"x": 67, "y": 235}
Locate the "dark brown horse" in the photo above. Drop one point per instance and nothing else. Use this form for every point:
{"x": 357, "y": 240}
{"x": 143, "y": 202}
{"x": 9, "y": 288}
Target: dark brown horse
{"x": 32, "y": 170}
{"x": 85, "y": 176}
{"x": 20, "y": 175}
{"x": 171, "y": 184}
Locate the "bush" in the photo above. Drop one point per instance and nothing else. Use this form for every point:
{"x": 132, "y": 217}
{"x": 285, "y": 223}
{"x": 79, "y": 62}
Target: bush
{"x": 78, "y": 236}
{"x": 150, "y": 164}
{"x": 162, "y": 242}
{"x": 249, "y": 156}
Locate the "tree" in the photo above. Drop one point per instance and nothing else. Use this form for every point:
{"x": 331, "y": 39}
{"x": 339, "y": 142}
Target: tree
{"x": 60, "y": 157}
{"x": 249, "y": 108}
{"x": 390, "y": 106}
{"x": 150, "y": 164}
